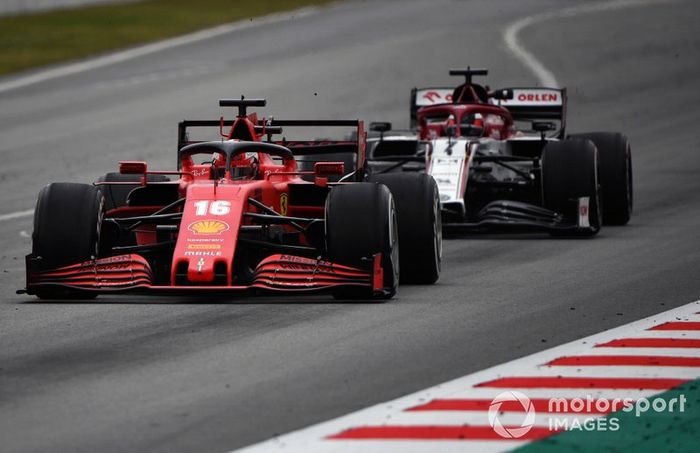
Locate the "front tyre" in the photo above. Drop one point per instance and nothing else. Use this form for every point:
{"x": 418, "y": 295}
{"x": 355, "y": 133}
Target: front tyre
{"x": 67, "y": 227}
{"x": 570, "y": 172}
{"x": 360, "y": 222}
{"x": 615, "y": 173}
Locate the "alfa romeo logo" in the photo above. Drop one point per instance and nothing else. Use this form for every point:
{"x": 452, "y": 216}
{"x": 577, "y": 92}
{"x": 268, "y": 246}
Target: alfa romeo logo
{"x": 494, "y": 414}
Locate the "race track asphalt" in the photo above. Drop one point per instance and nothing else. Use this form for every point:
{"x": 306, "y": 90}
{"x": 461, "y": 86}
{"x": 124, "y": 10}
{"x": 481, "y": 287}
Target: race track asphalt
{"x": 190, "y": 374}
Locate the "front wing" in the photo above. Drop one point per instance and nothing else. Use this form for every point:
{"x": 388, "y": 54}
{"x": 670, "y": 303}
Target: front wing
{"x": 515, "y": 215}
{"x": 276, "y": 273}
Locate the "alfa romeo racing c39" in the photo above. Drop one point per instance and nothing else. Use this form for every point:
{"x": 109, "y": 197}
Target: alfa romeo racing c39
{"x": 502, "y": 160}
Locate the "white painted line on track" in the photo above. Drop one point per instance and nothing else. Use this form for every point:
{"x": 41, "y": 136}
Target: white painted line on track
{"x": 16, "y": 215}
{"x": 129, "y": 54}
{"x": 545, "y": 76}
{"x": 393, "y": 414}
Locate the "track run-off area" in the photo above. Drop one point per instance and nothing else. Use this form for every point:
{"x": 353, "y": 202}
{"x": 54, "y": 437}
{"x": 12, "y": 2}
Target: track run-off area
{"x": 530, "y": 314}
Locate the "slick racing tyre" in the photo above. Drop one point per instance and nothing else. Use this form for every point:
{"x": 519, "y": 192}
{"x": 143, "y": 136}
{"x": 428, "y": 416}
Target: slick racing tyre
{"x": 615, "y": 173}
{"x": 420, "y": 225}
{"x": 360, "y": 222}
{"x": 569, "y": 172}
{"x": 116, "y": 195}
{"x": 67, "y": 225}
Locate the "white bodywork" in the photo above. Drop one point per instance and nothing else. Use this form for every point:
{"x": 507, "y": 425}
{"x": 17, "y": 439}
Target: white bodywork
{"x": 449, "y": 166}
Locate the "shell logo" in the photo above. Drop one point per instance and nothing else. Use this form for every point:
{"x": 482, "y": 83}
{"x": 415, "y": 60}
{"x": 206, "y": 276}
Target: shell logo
{"x": 208, "y": 227}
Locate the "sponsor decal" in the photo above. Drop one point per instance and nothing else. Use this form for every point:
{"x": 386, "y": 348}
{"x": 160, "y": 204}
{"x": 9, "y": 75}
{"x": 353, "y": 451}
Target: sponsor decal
{"x": 495, "y": 413}
{"x": 208, "y": 227}
{"x": 536, "y": 97}
{"x": 202, "y": 253}
{"x": 203, "y": 246}
{"x": 304, "y": 261}
{"x": 198, "y": 173}
{"x": 433, "y": 96}
{"x": 200, "y": 265}
{"x": 284, "y": 203}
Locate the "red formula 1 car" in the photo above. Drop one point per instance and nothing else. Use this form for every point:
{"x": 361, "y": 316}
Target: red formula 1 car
{"x": 239, "y": 217}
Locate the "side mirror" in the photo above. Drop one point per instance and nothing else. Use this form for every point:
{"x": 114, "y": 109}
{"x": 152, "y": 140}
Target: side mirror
{"x": 380, "y": 126}
{"x": 502, "y": 95}
{"x": 543, "y": 126}
{"x": 133, "y": 167}
{"x": 322, "y": 170}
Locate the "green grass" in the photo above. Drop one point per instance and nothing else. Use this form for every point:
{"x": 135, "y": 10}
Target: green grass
{"x": 39, "y": 39}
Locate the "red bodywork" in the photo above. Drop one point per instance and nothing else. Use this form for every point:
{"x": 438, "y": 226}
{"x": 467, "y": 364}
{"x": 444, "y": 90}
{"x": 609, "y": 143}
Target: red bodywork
{"x": 214, "y": 212}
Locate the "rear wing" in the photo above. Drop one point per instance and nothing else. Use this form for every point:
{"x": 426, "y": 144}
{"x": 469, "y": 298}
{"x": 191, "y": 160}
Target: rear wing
{"x": 183, "y": 126}
{"x": 420, "y": 97}
{"x": 527, "y": 104}
{"x": 312, "y": 148}
{"x": 537, "y": 104}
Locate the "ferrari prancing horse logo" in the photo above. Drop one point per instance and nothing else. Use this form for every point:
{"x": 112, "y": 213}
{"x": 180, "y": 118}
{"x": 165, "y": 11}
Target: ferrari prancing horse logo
{"x": 284, "y": 203}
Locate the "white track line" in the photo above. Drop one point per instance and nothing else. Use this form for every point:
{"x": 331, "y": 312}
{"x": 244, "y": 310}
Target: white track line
{"x": 130, "y": 54}
{"x": 394, "y": 412}
{"x": 16, "y": 215}
{"x": 545, "y": 76}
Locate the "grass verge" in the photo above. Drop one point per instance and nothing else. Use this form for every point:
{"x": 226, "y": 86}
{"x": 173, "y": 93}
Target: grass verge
{"x": 38, "y": 39}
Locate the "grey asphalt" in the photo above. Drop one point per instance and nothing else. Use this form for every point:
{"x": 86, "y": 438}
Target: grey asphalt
{"x": 176, "y": 374}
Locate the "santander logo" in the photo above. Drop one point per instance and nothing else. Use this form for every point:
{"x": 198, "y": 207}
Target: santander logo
{"x": 434, "y": 96}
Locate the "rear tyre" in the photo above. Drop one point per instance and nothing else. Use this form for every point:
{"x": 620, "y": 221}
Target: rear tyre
{"x": 360, "y": 222}
{"x": 420, "y": 225}
{"x": 569, "y": 172}
{"x": 67, "y": 225}
{"x": 116, "y": 195}
{"x": 615, "y": 173}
